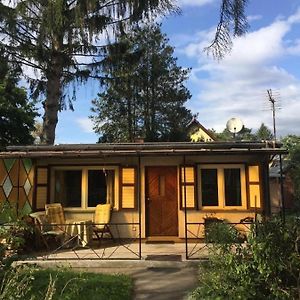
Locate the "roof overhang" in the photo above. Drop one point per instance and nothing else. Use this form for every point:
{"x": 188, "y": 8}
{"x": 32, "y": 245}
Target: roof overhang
{"x": 143, "y": 149}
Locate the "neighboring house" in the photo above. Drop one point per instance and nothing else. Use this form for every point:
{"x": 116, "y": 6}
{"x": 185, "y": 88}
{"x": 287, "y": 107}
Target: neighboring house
{"x": 162, "y": 186}
{"x": 275, "y": 187}
{"x": 198, "y": 133}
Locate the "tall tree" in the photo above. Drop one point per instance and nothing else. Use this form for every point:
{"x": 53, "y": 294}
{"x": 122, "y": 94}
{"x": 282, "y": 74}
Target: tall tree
{"x": 16, "y": 113}
{"x": 232, "y": 22}
{"x": 60, "y": 39}
{"x": 264, "y": 133}
{"x": 147, "y": 96}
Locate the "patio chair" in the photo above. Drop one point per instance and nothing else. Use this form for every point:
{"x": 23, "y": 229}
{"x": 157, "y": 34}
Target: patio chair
{"x": 55, "y": 216}
{"x": 101, "y": 221}
{"x": 44, "y": 231}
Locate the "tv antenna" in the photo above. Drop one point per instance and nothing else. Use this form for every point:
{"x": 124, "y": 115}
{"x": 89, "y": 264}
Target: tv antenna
{"x": 234, "y": 125}
{"x": 273, "y": 108}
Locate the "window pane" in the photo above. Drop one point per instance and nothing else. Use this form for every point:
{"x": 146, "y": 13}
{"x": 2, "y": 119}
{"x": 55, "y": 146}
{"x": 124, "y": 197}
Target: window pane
{"x": 100, "y": 187}
{"x": 68, "y": 187}
{"x": 232, "y": 187}
{"x": 209, "y": 185}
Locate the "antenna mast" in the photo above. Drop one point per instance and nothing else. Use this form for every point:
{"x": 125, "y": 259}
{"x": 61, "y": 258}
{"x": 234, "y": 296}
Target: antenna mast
{"x": 272, "y": 101}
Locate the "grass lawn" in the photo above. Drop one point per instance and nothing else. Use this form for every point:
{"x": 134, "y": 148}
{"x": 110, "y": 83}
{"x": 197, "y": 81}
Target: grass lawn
{"x": 84, "y": 286}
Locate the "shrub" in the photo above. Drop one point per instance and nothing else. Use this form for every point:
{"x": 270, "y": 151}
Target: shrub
{"x": 266, "y": 267}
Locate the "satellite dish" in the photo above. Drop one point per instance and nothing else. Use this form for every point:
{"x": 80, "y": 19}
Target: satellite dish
{"x": 234, "y": 125}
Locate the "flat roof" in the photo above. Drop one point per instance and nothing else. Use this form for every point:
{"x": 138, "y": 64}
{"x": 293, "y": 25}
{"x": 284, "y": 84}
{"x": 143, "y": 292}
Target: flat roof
{"x": 135, "y": 149}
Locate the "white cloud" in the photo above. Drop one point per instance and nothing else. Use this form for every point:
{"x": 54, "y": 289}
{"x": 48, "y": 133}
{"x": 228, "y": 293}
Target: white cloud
{"x": 236, "y": 86}
{"x": 193, "y": 2}
{"x": 85, "y": 124}
{"x": 252, "y": 18}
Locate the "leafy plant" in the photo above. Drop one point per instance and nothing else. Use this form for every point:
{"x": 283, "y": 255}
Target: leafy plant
{"x": 266, "y": 267}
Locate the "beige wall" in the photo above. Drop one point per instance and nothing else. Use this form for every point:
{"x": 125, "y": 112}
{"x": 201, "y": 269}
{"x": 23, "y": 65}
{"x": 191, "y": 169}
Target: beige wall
{"x": 125, "y": 216}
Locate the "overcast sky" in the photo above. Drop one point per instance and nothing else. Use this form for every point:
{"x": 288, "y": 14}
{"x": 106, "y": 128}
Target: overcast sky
{"x": 268, "y": 57}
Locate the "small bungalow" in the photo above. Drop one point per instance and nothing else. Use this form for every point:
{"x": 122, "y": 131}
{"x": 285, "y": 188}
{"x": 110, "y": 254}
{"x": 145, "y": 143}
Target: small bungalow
{"x": 164, "y": 188}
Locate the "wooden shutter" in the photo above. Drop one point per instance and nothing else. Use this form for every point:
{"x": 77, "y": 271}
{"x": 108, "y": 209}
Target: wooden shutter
{"x": 41, "y": 194}
{"x": 254, "y": 186}
{"x": 188, "y": 187}
{"x": 128, "y": 188}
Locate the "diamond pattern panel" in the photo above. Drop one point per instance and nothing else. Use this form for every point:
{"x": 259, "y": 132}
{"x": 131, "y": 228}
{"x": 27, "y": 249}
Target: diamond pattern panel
{"x": 22, "y": 175}
{"x": 7, "y": 186}
{"x": 27, "y": 163}
{"x": 26, "y": 209}
{"x": 13, "y": 197}
{"x": 16, "y": 182}
{"x": 22, "y": 197}
{"x": 3, "y": 172}
{"x": 9, "y": 162}
{"x": 2, "y": 195}
{"x": 14, "y": 173}
{"x": 27, "y": 187}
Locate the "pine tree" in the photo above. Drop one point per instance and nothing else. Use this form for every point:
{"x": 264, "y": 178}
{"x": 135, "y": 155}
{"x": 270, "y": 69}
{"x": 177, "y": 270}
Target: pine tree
{"x": 264, "y": 133}
{"x": 16, "y": 113}
{"x": 60, "y": 40}
{"x": 147, "y": 95}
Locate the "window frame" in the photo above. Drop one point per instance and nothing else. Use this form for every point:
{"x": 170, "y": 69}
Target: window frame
{"x": 221, "y": 186}
{"x": 84, "y": 184}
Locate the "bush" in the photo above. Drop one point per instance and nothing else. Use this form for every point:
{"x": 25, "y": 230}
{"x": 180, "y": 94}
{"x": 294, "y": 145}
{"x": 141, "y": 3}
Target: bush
{"x": 266, "y": 267}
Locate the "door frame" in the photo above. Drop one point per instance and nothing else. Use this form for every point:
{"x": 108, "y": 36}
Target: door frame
{"x": 146, "y": 193}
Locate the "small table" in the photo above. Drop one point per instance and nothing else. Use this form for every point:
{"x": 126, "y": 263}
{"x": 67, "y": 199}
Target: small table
{"x": 81, "y": 229}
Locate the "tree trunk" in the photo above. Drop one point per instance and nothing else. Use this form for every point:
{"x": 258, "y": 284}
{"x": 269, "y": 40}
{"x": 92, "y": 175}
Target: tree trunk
{"x": 52, "y": 102}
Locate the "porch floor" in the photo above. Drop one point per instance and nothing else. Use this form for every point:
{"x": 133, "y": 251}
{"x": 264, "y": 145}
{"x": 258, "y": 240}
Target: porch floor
{"x": 150, "y": 250}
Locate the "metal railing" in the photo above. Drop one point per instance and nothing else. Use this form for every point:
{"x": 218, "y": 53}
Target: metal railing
{"x": 197, "y": 242}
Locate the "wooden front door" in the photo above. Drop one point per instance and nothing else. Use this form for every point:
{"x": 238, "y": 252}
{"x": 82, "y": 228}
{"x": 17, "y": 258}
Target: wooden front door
{"x": 161, "y": 201}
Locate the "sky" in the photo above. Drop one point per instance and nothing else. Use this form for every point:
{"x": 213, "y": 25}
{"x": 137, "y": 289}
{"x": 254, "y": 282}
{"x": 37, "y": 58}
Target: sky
{"x": 267, "y": 57}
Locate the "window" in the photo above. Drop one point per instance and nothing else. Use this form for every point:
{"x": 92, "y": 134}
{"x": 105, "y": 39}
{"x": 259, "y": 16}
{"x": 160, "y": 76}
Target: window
{"x": 68, "y": 187}
{"x": 209, "y": 184}
{"x": 223, "y": 186}
{"x": 233, "y": 195}
{"x": 84, "y": 187}
{"x": 100, "y": 187}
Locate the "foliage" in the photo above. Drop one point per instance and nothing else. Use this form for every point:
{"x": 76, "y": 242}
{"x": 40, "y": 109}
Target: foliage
{"x": 61, "y": 41}
{"x": 145, "y": 93}
{"x": 16, "y": 283}
{"x": 222, "y": 234}
{"x": 16, "y": 112}
{"x": 264, "y": 133}
{"x": 266, "y": 267}
{"x": 244, "y": 135}
{"x": 14, "y": 232}
{"x": 233, "y": 21}
{"x": 71, "y": 285}
{"x": 292, "y": 144}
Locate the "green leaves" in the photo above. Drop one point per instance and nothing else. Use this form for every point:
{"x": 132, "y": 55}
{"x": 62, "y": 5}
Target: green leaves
{"x": 144, "y": 92}
{"x": 266, "y": 267}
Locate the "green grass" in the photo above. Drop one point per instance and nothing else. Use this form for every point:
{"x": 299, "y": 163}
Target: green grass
{"x": 71, "y": 285}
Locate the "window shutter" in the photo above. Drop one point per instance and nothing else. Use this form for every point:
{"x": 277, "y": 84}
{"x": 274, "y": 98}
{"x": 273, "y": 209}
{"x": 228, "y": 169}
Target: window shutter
{"x": 254, "y": 186}
{"x": 41, "y": 194}
{"x": 128, "y": 188}
{"x": 188, "y": 187}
